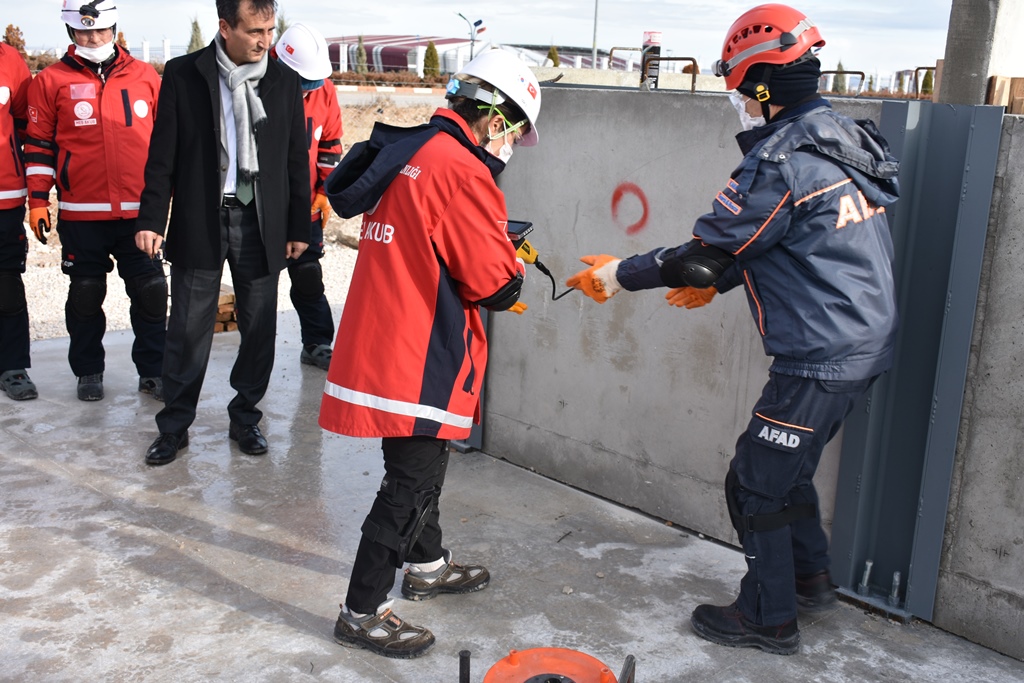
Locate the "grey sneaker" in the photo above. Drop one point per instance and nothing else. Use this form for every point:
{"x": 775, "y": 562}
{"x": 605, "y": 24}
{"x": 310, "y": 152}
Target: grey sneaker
{"x": 90, "y": 387}
{"x": 316, "y": 354}
{"x": 451, "y": 578}
{"x": 154, "y": 386}
{"x": 383, "y": 633}
{"x": 17, "y": 385}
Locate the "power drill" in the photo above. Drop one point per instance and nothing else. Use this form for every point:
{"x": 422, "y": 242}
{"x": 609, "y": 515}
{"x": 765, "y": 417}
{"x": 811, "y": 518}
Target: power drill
{"x": 517, "y": 232}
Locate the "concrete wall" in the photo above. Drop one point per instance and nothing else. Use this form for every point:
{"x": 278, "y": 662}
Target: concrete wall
{"x": 980, "y": 594}
{"x": 634, "y": 400}
{"x": 983, "y": 40}
{"x": 641, "y": 403}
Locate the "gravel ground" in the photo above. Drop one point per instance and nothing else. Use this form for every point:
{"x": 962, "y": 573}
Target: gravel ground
{"x": 46, "y": 286}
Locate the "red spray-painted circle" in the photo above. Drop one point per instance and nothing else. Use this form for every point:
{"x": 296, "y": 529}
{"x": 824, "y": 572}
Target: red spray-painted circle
{"x": 631, "y": 189}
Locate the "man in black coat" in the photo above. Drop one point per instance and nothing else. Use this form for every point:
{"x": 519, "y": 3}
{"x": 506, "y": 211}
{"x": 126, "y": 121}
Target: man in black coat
{"x": 230, "y": 147}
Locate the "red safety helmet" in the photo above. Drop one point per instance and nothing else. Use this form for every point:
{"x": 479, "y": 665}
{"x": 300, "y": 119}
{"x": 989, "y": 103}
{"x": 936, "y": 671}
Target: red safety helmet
{"x": 766, "y": 34}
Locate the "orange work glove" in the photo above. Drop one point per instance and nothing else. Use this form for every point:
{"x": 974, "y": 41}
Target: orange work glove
{"x": 39, "y": 221}
{"x": 690, "y": 297}
{"x": 321, "y": 204}
{"x": 599, "y": 281}
{"x": 518, "y": 307}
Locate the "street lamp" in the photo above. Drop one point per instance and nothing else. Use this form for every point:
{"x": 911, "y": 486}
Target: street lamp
{"x": 472, "y": 32}
{"x": 593, "y": 54}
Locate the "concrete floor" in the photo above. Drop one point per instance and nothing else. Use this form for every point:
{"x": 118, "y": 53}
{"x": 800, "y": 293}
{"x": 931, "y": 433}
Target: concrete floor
{"x": 222, "y": 566}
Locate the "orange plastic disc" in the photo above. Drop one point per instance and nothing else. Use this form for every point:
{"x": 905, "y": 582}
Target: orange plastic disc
{"x": 549, "y": 665}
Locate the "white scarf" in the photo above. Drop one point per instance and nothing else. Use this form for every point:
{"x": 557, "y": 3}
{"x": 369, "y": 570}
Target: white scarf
{"x": 248, "y": 109}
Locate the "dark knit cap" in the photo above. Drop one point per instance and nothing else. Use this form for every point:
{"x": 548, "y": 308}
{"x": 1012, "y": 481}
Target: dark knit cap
{"x": 787, "y": 84}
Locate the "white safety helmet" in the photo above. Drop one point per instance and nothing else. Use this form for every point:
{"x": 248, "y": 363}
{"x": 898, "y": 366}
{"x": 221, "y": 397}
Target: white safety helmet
{"x": 304, "y": 49}
{"x": 83, "y": 15}
{"x": 514, "y": 81}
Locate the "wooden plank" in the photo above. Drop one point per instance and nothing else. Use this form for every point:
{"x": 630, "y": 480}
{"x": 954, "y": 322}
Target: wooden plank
{"x": 998, "y": 91}
{"x": 227, "y": 295}
{"x": 1016, "y": 105}
{"x": 937, "y": 80}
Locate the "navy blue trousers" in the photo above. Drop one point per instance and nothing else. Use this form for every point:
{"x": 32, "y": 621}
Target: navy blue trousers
{"x": 86, "y": 248}
{"x": 316, "y": 324}
{"x": 14, "y": 334}
{"x": 775, "y": 461}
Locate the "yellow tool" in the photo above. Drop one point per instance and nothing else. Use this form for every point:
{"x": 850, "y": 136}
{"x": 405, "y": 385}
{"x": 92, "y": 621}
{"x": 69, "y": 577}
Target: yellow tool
{"x": 517, "y": 232}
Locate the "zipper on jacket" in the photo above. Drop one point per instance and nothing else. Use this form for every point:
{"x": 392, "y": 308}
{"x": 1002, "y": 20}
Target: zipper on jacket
{"x": 14, "y": 155}
{"x": 757, "y": 301}
{"x": 127, "y": 108}
{"x": 64, "y": 176}
{"x": 468, "y": 384}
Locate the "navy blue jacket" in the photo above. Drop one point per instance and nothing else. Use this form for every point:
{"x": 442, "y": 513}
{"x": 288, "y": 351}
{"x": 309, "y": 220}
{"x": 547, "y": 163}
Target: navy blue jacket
{"x": 804, "y": 216}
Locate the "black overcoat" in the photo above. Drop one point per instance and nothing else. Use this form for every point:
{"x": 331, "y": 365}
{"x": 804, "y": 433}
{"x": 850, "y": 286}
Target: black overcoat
{"x": 186, "y": 162}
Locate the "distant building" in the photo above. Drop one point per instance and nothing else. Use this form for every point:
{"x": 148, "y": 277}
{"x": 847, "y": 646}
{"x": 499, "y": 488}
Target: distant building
{"x": 405, "y": 53}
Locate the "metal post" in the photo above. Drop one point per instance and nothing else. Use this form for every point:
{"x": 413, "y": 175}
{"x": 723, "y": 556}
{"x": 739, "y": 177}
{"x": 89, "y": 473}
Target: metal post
{"x": 593, "y": 51}
{"x": 472, "y": 34}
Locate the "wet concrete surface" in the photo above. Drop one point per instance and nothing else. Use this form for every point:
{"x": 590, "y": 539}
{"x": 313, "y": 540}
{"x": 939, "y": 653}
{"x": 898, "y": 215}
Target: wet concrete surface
{"x": 222, "y": 566}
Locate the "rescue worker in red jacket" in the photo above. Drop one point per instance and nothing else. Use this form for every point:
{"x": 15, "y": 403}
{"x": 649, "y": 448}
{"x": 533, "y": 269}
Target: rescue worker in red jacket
{"x": 14, "y": 331}
{"x": 90, "y": 119}
{"x": 304, "y": 49}
{"x": 411, "y": 346}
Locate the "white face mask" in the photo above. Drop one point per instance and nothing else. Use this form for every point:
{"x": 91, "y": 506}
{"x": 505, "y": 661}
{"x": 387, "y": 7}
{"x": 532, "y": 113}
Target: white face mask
{"x": 96, "y": 54}
{"x": 505, "y": 152}
{"x": 739, "y": 102}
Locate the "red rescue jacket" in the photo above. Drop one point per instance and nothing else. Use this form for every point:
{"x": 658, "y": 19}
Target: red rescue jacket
{"x": 14, "y": 80}
{"x": 90, "y": 133}
{"x": 411, "y": 349}
{"x": 323, "y": 134}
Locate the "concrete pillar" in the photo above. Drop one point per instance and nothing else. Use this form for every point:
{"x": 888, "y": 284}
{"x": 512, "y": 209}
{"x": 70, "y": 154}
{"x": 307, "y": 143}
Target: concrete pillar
{"x": 983, "y": 41}
{"x": 145, "y": 51}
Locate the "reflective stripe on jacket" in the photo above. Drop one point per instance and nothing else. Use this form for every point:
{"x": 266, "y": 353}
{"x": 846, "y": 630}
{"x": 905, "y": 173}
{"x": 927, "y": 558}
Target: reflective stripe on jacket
{"x": 411, "y": 348}
{"x": 89, "y": 134}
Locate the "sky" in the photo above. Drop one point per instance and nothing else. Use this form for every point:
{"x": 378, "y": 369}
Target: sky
{"x": 874, "y": 36}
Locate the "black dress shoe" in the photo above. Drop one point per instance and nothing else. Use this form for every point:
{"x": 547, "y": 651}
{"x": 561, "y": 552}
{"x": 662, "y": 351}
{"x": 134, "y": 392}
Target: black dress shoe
{"x": 165, "y": 448}
{"x": 250, "y": 439}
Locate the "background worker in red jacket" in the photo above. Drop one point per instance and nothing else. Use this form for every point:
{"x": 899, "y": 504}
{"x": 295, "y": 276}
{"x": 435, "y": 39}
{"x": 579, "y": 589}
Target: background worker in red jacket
{"x": 304, "y": 49}
{"x": 411, "y": 344}
{"x": 14, "y": 334}
{"x": 90, "y": 119}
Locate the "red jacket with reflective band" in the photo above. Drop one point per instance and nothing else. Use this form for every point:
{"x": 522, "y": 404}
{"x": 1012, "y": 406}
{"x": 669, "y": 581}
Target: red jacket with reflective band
{"x": 90, "y": 134}
{"x": 410, "y": 350}
{"x": 323, "y": 133}
{"x": 14, "y": 80}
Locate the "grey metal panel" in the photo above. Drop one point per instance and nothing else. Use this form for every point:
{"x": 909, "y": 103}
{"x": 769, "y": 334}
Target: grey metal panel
{"x": 897, "y": 458}
{"x": 983, "y": 129}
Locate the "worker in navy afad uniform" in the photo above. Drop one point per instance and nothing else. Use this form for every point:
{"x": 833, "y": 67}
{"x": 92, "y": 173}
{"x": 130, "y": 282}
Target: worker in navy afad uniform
{"x": 801, "y": 225}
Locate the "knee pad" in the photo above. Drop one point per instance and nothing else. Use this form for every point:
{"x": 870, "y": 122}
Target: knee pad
{"x": 732, "y": 486}
{"x": 149, "y": 293}
{"x": 792, "y": 510}
{"x": 86, "y": 295}
{"x": 377, "y": 529}
{"x": 12, "y": 293}
{"x": 307, "y": 279}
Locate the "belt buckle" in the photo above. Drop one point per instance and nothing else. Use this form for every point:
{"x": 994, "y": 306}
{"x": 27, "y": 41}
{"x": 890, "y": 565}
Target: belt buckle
{"x": 230, "y": 201}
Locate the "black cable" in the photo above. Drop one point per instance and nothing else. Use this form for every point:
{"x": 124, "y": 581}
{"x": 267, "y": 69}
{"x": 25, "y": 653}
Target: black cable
{"x": 542, "y": 268}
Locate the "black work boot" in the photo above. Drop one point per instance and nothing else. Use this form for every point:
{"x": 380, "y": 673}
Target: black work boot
{"x": 90, "y": 387}
{"x": 728, "y": 626}
{"x": 814, "y": 593}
